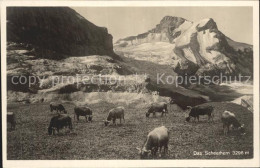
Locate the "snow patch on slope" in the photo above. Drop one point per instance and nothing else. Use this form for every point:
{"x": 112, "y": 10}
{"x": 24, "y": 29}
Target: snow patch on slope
{"x": 156, "y": 52}
{"x": 184, "y": 39}
{"x": 207, "y": 39}
{"x": 189, "y": 54}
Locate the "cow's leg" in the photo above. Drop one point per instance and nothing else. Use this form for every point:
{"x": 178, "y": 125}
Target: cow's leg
{"x": 224, "y": 129}
{"x": 227, "y": 129}
{"x": 114, "y": 121}
{"x": 86, "y": 118}
{"x": 166, "y": 149}
{"x": 154, "y": 113}
{"x": 209, "y": 117}
{"x": 198, "y": 118}
{"x": 78, "y": 117}
{"x": 152, "y": 153}
{"x": 12, "y": 125}
{"x": 165, "y": 111}
{"x": 160, "y": 151}
{"x": 155, "y": 151}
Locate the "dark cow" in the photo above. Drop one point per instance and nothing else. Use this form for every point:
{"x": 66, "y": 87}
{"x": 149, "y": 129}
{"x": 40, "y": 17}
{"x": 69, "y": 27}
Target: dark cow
{"x": 115, "y": 113}
{"x": 229, "y": 119}
{"x": 58, "y": 122}
{"x": 157, "y": 138}
{"x": 83, "y": 111}
{"x": 11, "y": 119}
{"x": 57, "y": 107}
{"x": 200, "y": 110}
{"x": 157, "y": 107}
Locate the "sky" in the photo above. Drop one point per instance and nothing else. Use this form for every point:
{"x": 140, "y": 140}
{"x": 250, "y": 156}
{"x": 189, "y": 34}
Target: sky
{"x": 234, "y": 22}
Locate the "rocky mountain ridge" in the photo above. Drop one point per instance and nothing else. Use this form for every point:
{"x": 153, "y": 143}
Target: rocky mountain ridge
{"x": 57, "y": 32}
{"x": 199, "y": 48}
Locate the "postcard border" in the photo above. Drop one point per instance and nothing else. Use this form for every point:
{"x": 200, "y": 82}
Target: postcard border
{"x": 133, "y": 163}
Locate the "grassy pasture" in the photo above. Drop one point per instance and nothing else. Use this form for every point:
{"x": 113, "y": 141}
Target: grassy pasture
{"x": 95, "y": 141}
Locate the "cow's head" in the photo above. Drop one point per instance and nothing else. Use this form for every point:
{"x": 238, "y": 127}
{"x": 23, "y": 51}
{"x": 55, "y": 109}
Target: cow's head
{"x": 147, "y": 114}
{"x": 187, "y": 119}
{"x": 90, "y": 118}
{"x": 242, "y": 129}
{"x": 50, "y": 130}
{"x": 172, "y": 101}
{"x": 106, "y": 122}
{"x": 143, "y": 153}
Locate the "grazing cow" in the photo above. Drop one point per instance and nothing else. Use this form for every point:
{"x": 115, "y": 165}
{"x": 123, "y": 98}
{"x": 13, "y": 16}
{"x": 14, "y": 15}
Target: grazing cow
{"x": 157, "y": 107}
{"x": 115, "y": 113}
{"x": 11, "y": 119}
{"x": 58, "y": 122}
{"x": 83, "y": 111}
{"x": 228, "y": 118}
{"x": 57, "y": 107}
{"x": 157, "y": 138}
{"x": 198, "y": 110}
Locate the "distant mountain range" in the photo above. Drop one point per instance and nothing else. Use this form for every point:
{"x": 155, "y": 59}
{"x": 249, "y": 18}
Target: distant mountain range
{"x": 195, "y": 48}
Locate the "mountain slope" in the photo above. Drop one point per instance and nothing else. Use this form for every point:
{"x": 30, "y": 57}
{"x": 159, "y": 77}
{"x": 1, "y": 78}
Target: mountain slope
{"x": 57, "y": 32}
{"x": 197, "y": 48}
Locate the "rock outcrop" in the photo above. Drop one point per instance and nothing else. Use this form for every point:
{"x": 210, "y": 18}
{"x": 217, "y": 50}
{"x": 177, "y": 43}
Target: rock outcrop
{"x": 57, "y": 32}
{"x": 199, "y": 48}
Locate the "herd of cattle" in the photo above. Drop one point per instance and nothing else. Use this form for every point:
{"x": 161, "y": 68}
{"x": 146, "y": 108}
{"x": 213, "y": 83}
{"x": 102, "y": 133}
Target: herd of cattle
{"x": 156, "y": 139}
